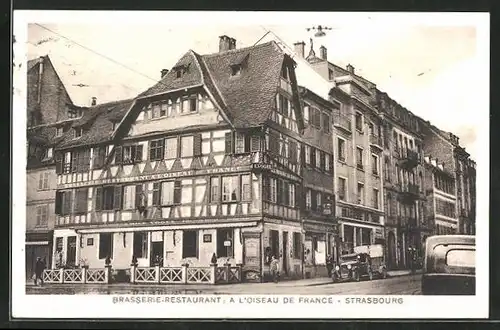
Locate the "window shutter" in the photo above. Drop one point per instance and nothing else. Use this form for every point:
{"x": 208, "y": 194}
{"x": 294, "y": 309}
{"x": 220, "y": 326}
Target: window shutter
{"x": 117, "y": 201}
{"x": 138, "y": 152}
{"x": 330, "y": 164}
{"x": 313, "y": 157}
{"x": 286, "y": 194}
{"x": 156, "y": 193}
{"x": 298, "y": 196}
{"x": 255, "y": 143}
{"x": 322, "y": 160}
{"x": 74, "y": 161}
{"x": 302, "y": 155}
{"x": 98, "y": 198}
{"x": 313, "y": 200}
{"x": 58, "y": 202}
{"x": 197, "y": 145}
{"x": 279, "y": 189}
{"x": 229, "y": 142}
{"x": 293, "y": 151}
{"x": 265, "y": 188}
{"x": 59, "y": 163}
{"x": 247, "y": 143}
{"x": 118, "y": 155}
{"x": 138, "y": 192}
{"x": 177, "y": 192}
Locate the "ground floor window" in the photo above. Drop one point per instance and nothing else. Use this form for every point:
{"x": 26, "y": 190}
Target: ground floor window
{"x": 190, "y": 244}
{"x": 225, "y": 243}
{"x": 105, "y": 245}
{"x": 141, "y": 244}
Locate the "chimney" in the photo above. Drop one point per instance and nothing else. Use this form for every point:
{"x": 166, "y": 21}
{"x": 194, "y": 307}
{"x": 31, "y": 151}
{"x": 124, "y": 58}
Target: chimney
{"x": 299, "y": 48}
{"x": 226, "y": 43}
{"x": 94, "y": 101}
{"x": 322, "y": 53}
{"x": 164, "y": 72}
{"x": 350, "y": 68}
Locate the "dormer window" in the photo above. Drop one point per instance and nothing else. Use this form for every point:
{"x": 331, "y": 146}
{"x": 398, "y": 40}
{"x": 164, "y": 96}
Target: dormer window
{"x": 59, "y": 131}
{"x": 284, "y": 72}
{"x": 180, "y": 70}
{"x": 178, "y": 73}
{"x": 235, "y": 69}
{"x": 78, "y": 132}
{"x": 75, "y": 113}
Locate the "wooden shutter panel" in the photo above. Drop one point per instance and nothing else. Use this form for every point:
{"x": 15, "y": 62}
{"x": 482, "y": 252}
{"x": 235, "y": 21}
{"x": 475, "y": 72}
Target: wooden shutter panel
{"x": 313, "y": 157}
{"x": 118, "y": 155}
{"x": 74, "y": 161}
{"x": 229, "y": 143}
{"x": 293, "y": 151}
{"x": 197, "y": 145}
{"x": 177, "y": 192}
{"x": 247, "y": 143}
{"x": 313, "y": 200}
{"x": 302, "y": 155}
{"x": 330, "y": 164}
{"x": 59, "y": 163}
{"x": 138, "y": 192}
{"x": 255, "y": 143}
{"x": 298, "y": 196}
{"x": 286, "y": 194}
{"x": 98, "y": 198}
{"x": 138, "y": 152}
{"x": 117, "y": 198}
{"x": 58, "y": 206}
{"x": 156, "y": 193}
{"x": 322, "y": 160}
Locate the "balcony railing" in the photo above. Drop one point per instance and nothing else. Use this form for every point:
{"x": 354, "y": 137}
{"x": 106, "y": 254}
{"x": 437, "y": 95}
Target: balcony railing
{"x": 376, "y": 141}
{"x": 342, "y": 122}
{"x": 407, "y": 158}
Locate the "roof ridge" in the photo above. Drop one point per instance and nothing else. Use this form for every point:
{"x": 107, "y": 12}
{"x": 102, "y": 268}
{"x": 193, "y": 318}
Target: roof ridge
{"x": 236, "y": 50}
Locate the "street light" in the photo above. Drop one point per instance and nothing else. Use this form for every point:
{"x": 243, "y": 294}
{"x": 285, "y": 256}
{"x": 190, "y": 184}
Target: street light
{"x": 320, "y": 30}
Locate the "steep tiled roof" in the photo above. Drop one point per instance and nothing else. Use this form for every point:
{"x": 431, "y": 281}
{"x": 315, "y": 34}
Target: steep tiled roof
{"x": 249, "y": 96}
{"x": 191, "y": 76}
{"x": 98, "y": 123}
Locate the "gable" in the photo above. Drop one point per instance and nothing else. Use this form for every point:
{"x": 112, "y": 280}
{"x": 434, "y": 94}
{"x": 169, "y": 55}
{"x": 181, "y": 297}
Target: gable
{"x": 186, "y": 109}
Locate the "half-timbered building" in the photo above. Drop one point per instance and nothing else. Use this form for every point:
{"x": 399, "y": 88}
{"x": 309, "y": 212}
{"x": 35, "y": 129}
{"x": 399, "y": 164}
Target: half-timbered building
{"x": 208, "y": 164}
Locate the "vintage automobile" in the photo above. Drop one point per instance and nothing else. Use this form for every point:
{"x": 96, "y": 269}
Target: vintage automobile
{"x": 449, "y": 265}
{"x": 365, "y": 262}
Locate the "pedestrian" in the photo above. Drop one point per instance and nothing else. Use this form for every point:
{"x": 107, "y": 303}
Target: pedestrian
{"x": 274, "y": 269}
{"x": 213, "y": 261}
{"x": 329, "y": 265}
{"x": 39, "y": 268}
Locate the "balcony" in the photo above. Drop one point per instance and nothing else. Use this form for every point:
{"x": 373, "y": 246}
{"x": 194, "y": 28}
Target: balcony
{"x": 409, "y": 193}
{"x": 408, "y": 159}
{"x": 342, "y": 122}
{"x": 376, "y": 142}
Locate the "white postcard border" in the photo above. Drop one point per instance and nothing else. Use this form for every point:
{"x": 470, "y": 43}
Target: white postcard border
{"x": 94, "y": 306}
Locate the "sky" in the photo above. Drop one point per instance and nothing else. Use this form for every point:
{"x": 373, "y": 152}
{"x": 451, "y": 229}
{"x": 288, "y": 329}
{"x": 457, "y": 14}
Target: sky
{"x": 425, "y": 68}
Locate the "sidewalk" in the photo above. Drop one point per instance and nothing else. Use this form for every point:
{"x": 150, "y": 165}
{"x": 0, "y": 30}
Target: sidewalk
{"x": 190, "y": 288}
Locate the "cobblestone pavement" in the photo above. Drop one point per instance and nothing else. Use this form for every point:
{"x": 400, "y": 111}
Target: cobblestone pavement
{"x": 395, "y": 285}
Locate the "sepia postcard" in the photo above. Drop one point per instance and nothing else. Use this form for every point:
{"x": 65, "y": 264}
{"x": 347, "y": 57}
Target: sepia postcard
{"x": 277, "y": 165}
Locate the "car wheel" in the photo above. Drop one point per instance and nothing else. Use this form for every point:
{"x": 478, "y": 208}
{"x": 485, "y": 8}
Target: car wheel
{"x": 370, "y": 275}
{"x": 334, "y": 278}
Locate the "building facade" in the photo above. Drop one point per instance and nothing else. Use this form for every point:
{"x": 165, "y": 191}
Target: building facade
{"x": 357, "y": 149}
{"x": 207, "y": 163}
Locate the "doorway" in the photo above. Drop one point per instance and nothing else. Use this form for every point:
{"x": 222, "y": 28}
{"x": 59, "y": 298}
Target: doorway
{"x": 71, "y": 251}
{"x": 285, "y": 253}
{"x": 156, "y": 254}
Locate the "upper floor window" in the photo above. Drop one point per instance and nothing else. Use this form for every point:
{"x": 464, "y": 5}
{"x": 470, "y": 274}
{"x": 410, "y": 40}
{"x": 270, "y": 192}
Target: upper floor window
{"x": 42, "y": 212}
{"x": 359, "y": 157}
{"x": 341, "y": 149}
{"x": 128, "y": 154}
{"x": 359, "y": 121}
{"x": 330, "y": 74}
{"x": 342, "y": 189}
{"x": 284, "y": 72}
{"x": 187, "y": 146}
{"x": 78, "y": 132}
{"x": 235, "y": 69}
{"x": 326, "y": 122}
{"x": 75, "y": 113}
{"x": 43, "y": 181}
{"x": 171, "y": 148}
{"x": 156, "y": 148}
{"x": 230, "y": 188}
{"x": 315, "y": 117}
{"x": 59, "y": 131}
{"x": 306, "y": 113}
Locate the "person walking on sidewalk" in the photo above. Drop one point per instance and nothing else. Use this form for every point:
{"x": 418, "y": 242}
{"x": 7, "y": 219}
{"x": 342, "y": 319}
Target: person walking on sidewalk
{"x": 274, "y": 269}
{"x": 39, "y": 268}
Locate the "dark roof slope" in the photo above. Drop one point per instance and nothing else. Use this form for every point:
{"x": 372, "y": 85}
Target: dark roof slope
{"x": 97, "y": 123}
{"x": 249, "y": 96}
{"x": 191, "y": 76}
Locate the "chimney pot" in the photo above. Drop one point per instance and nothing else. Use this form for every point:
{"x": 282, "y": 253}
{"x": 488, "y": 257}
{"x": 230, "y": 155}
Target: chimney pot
{"x": 226, "y": 43}
{"x": 299, "y": 48}
{"x": 94, "y": 101}
{"x": 164, "y": 72}
{"x": 323, "y": 53}
{"x": 350, "y": 68}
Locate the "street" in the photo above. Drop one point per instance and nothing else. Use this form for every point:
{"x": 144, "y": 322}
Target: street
{"x": 396, "y": 285}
